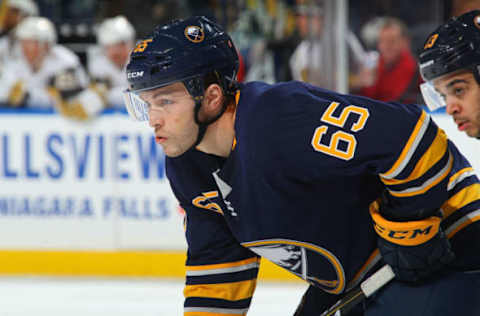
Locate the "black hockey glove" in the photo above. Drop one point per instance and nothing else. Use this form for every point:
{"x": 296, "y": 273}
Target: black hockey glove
{"x": 67, "y": 83}
{"x": 415, "y": 250}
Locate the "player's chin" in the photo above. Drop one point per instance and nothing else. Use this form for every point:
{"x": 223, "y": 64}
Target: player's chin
{"x": 473, "y": 132}
{"x": 172, "y": 152}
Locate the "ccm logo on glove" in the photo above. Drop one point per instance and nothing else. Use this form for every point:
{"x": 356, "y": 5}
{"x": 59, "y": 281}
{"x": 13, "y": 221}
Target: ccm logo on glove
{"x": 411, "y": 233}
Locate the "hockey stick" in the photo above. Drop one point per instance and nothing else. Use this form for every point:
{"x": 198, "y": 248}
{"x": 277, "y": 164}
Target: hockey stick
{"x": 365, "y": 289}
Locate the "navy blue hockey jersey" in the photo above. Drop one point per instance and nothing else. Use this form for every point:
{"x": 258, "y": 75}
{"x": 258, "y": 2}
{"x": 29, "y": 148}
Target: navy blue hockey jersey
{"x": 306, "y": 166}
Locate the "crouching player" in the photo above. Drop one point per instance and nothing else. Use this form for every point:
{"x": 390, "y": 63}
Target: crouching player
{"x": 326, "y": 185}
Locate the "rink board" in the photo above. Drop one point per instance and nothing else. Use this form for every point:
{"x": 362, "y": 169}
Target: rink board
{"x": 92, "y": 198}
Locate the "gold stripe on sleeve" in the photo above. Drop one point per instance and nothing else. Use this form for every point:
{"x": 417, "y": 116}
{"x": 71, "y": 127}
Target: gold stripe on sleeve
{"x": 233, "y": 291}
{"x": 434, "y": 153}
{"x": 428, "y": 184}
{"x": 409, "y": 148}
{"x": 463, "y": 197}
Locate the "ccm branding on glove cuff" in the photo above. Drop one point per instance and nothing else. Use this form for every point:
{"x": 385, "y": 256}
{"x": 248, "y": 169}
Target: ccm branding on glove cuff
{"x": 410, "y": 233}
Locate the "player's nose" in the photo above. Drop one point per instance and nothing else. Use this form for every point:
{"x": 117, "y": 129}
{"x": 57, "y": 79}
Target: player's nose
{"x": 453, "y": 106}
{"x": 155, "y": 119}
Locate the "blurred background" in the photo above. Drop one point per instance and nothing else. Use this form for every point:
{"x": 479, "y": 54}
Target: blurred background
{"x": 87, "y": 218}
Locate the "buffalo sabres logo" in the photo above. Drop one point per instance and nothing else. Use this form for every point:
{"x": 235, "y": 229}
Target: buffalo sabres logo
{"x": 194, "y": 34}
{"x": 310, "y": 262}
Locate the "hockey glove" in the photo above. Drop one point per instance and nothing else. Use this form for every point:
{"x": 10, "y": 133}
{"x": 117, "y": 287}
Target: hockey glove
{"x": 66, "y": 83}
{"x": 415, "y": 250}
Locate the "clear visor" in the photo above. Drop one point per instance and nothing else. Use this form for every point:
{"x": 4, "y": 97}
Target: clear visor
{"x": 432, "y": 98}
{"x": 136, "y": 107}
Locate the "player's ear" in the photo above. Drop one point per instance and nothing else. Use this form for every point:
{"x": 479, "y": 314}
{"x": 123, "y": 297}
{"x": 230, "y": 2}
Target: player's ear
{"x": 213, "y": 97}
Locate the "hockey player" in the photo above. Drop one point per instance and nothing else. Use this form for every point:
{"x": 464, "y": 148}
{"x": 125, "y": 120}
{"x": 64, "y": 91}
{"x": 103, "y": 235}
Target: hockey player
{"x": 47, "y": 75}
{"x": 106, "y": 62}
{"x": 326, "y": 185}
{"x": 450, "y": 65}
{"x": 12, "y": 12}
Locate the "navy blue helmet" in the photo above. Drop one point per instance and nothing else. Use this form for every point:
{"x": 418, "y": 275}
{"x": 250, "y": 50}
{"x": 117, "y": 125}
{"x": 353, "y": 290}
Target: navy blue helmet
{"x": 453, "y": 46}
{"x": 184, "y": 50}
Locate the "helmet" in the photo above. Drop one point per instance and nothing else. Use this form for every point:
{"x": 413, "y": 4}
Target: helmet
{"x": 37, "y": 28}
{"x": 115, "y": 30}
{"x": 453, "y": 46}
{"x": 27, "y": 7}
{"x": 184, "y": 50}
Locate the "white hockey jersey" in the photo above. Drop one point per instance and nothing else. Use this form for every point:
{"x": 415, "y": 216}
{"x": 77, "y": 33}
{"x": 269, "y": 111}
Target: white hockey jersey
{"x": 59, "y": 59}
{"x": 102, "y": 69}
{"x": 8, "y": 50}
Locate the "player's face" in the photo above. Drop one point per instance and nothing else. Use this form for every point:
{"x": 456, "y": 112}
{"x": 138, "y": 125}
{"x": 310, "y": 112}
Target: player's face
{"x": 118, "y": 53}
{"x": 391, "y": 43}
{"x": 34, "y": 52}
{"x": 462, "y": 97}
{"x": 171, "y": 115}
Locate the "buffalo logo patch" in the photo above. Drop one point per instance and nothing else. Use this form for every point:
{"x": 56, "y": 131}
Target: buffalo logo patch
{"x": 316, "y": 265}
{"x": 194, "y": 34}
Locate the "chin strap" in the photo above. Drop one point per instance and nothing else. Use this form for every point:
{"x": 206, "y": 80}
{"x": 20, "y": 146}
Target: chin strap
{"x": 195, "y": 88}
{"x": 202, "y": 126}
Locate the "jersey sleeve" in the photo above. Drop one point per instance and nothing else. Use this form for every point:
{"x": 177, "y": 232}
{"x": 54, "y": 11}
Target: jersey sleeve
{"x": 324, "y": 135}
{"x": 462, "y": 208}
{"x": 430, "y": 173}
{"x": 220, "y": 273}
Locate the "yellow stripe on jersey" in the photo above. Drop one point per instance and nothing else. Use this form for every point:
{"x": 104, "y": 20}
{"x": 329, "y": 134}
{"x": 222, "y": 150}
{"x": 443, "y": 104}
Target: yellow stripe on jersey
{"x": 434, "y": 153}
{"x": 232, "y": 291}
{"x": 237, "y": 97}
{"x": 208, "y": 314}
{"x": 463, "y": 197}
{"x": 409, "y": 148}
{"x": 428, "y": 184}
{"x": 208, "y": 311}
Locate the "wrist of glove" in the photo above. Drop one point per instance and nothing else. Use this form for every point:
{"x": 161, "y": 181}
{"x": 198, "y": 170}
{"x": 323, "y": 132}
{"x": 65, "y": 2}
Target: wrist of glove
{"x": 66, "y": 83}
{"x": 416, "y": 250}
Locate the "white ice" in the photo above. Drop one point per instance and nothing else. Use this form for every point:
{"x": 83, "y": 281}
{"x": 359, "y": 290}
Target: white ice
{"x": 39, "y": 296}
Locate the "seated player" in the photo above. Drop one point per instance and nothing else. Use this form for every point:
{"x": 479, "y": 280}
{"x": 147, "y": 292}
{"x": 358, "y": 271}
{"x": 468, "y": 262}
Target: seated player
{"x": 106, "y": 62}
{"x": 47, "y": 75}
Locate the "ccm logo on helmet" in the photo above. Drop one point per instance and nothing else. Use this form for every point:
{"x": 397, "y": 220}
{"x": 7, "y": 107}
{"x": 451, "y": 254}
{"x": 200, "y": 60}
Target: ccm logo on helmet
{"x": 135, "y": 74}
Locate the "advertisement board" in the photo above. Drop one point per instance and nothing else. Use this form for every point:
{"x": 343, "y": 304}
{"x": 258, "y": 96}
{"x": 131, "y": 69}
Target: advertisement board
{"x": 99, "y": 184}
